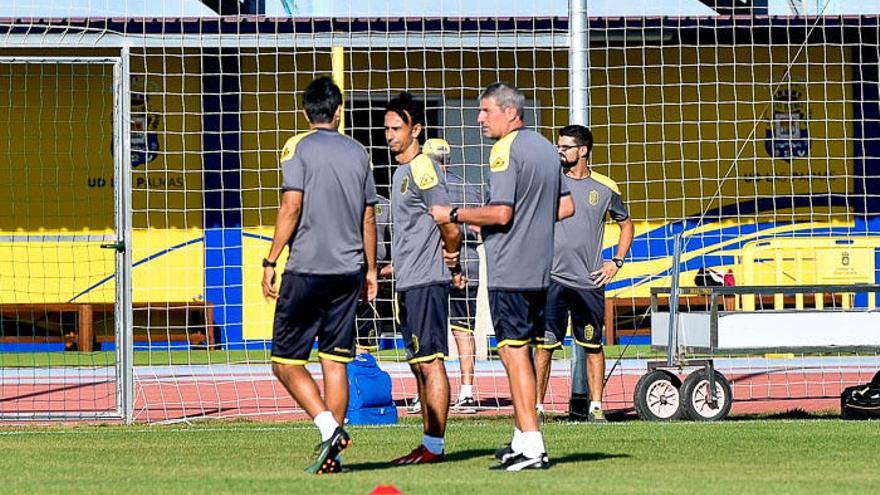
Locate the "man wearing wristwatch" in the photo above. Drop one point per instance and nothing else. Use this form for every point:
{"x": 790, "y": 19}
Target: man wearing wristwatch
{"x": 527, "y": 196}
{"x": 425, "y": 257}
{"x": 579, "y": 275}
{"x": 332, "y": 258}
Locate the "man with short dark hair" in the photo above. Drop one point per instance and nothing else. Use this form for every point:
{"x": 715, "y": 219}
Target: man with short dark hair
{"x": 526, "y": 197}
{"x": 332, "y": 258}
{"x": 579, "y": 275}
{"x": 425, "y": 259}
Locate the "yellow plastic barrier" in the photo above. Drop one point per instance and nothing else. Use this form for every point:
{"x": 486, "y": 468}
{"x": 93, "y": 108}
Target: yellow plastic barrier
{"x": 808, "y": 261}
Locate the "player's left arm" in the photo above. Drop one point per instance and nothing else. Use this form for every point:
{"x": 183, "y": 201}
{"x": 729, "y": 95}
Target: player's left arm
{"x": 371, "y": 282}
{"x": 371, "y": 285}
{"x": 618, "y": 213}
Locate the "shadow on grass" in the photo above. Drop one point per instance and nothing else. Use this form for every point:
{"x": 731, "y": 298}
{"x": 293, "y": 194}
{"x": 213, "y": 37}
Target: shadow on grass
{"x": 465, "y": 455}
{"x": 614, "y": 416}
{"x": 484, "y": 402}
{"x": 795, "y": 413}
{"x": 458, "y": 456}
{"x": 585, "y": 457}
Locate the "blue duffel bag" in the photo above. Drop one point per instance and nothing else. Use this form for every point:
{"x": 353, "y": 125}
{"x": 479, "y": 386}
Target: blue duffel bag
{"x": 369, "y": 393}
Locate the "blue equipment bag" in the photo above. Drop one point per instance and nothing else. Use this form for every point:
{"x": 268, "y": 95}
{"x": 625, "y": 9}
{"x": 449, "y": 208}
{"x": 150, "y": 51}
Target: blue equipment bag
{"x": 369, "y": 393}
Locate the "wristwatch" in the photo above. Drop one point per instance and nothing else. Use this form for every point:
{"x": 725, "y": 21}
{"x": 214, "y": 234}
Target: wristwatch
{"x": 455, "y": 270}
{"x": 269, "y": 264}
{"x": 453, "y": 215}
{"x": 618, "y": 262}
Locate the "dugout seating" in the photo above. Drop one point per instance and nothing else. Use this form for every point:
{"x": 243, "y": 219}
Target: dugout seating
{"x": 84, "y": 326}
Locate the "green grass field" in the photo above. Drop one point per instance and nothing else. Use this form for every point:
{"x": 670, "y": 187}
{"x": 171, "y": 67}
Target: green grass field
{"x": 771, "y": 456}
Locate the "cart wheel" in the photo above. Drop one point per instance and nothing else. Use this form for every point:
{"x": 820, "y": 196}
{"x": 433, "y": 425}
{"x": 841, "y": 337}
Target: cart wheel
{"x": 657, "y": 397}
{"x": 695, "y": 396}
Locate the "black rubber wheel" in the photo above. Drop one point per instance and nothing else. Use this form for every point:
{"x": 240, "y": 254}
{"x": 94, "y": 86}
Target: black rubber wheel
{"x": 695, "y": 397}
{"x": 657, "y": 396}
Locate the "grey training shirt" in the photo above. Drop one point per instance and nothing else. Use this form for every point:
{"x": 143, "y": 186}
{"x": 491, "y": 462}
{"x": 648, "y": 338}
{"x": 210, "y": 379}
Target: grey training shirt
{"x": 333, "y": 173}
{"x": 463, "y": 195}
{"x": 383, "y": 230}
{"x": 578, "y": 244}
{"x": 524, "y": 173}
{"x": 415, "y": 244}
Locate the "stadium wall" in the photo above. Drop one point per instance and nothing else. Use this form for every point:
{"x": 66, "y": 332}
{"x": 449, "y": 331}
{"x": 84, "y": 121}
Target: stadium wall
{"x": 666, "y": 133}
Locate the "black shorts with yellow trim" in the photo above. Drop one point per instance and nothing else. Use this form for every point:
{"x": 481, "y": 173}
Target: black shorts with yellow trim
{"x": 587, "y": 310}
{"x": 517, "y": 316}
{"x": 367, "y": 327}
{"x": 423, "y": 315}
{"x": 315, "y": 306}
{"x": 463, "y": 309}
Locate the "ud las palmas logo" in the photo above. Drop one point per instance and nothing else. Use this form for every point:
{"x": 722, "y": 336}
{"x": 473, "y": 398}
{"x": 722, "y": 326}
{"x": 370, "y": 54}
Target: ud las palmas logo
{"x": 145, "y": 125}
{"x": 144, "y": 134}
{"x": 787, "y": 134}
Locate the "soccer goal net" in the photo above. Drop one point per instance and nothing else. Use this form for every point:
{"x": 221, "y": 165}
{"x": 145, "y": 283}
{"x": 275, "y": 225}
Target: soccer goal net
{"x": 753, "y": 137}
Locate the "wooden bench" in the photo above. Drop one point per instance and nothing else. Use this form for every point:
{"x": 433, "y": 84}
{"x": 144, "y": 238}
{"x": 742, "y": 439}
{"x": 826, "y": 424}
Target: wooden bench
{"x": 86, "y": 313}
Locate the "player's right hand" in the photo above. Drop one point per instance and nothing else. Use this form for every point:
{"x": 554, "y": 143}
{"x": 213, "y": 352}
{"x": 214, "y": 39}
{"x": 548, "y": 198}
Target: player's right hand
{"x": 269, "y": 290}
{"x": 371, "y": 285}
{"x": 459, "y": 281}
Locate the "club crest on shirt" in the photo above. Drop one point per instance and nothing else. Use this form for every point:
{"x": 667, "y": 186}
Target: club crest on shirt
{"x": 378, "y": 209}
{"x": 427, "y": 182}
{"x": 588, "y": 332}
{"x": 498, "y": 165}
{"x": 404, "y": 185}
{"x": 594, "y": 197}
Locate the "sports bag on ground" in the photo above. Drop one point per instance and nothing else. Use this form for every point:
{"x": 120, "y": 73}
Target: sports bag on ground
{"x": 369, "y": 393}
{"x": 861, "y": 401}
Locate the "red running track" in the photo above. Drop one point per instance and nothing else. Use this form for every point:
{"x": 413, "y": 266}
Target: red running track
{"x": 162, "y": 399}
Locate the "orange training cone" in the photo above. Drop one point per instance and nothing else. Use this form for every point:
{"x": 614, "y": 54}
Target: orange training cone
{"x": 386, "y": 490}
